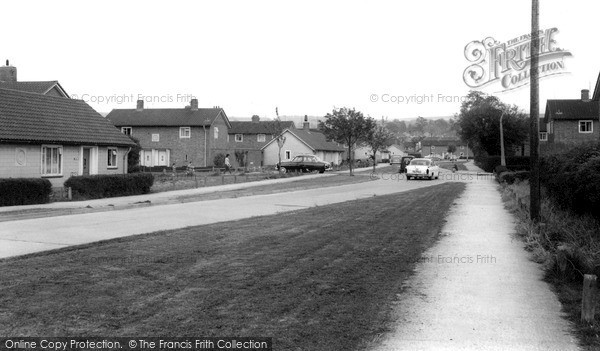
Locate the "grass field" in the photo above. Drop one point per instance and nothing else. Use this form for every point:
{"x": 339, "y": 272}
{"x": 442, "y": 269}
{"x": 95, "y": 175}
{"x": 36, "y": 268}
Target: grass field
{"x": 314, "y": 279}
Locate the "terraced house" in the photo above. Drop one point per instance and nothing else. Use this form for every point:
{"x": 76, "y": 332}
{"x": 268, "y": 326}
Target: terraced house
{"x": 175, "y": 135}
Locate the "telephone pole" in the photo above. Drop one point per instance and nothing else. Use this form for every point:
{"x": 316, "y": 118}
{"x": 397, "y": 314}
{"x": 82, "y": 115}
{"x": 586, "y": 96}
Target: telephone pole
{"x": 534, "y": 149}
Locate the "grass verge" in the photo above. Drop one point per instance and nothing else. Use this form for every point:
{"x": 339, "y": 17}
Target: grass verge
{"x": 314, "y": 279}
{"x": 568, "y": 246}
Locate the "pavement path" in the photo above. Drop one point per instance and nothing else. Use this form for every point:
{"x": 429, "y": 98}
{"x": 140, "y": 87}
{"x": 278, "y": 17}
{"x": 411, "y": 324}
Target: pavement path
{"x": 477, "y": 288}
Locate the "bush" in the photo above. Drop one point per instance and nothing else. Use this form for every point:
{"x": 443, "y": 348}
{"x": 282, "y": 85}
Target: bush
{"x": 572, "y": 179}
{"x": 513, "y": 163}
{"x": 506, "y": 177}
{"x": 219, "y": 160}
{"x": 24, "y": 191}
{"x": 110, "y": 185}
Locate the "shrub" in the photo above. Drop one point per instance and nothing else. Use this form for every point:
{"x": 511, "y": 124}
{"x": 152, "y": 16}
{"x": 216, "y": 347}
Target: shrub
{"x": 507, "y": 177}
{"x": 572, "y": 179}
{"x": 513, "y": 163}
{"x": 24, "y": 191}
{"x": 110, "y": 185}
{"x": 219, "y": 160}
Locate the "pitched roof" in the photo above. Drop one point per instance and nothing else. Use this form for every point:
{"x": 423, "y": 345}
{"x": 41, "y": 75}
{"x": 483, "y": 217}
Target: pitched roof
{"x": 35, "y": 118}
{"x": 440, "y": 141}
{"x": 571, "y": 109}
{"x": 313, "y": 139}
{"x": 260, "y": 127}
{"x": 34, "y": 87}
{"x": 166, "y": 117}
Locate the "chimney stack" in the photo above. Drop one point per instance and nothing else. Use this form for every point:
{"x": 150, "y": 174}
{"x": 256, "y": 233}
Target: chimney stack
{"x": 306, "y": 124}
{"x": 585, "y": 94}
{"x": 140, "y": 105}
{"x": 255, "y": 119}
{"x": 8, "y": 73}
{"x": 194, "y": 104}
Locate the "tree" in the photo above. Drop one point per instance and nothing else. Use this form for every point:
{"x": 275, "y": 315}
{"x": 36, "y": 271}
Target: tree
{"x": 451, "y": 149}
{"x": 478, "y": 123}
{"x": 133, "y": 157}
{"x": 378, "y": 140}
{"x": 347, "y": 126}
{"x": 276, "y": 128}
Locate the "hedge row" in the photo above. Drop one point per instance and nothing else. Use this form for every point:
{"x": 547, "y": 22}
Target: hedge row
{"x": 514, "y": 163}
{"x": 24, "y": 191}
{"x": 110, "y": 185}
{"x": 572, "y": 179}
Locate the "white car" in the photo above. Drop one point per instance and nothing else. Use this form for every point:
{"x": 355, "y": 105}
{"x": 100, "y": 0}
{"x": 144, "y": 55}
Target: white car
{"x": 422, "y": 168}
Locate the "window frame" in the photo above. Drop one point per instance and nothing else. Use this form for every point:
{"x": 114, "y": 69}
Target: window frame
{"x": 182, "y": 135}
{"x": 258, "y": 138}
{"x": 109, "y": 159}
{"x": 543, "y": 136}
{"x": 216, "y": 133}
{"x": 125, "y": 129}
{"x": 240, "y": 139}
{"x": 43, "y": 154}
{"x": 287, "y": 154}
{"x": 591, "y": 123}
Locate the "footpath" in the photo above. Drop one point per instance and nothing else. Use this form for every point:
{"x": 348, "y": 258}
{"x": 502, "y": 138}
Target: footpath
{"x": 476, "y": 288}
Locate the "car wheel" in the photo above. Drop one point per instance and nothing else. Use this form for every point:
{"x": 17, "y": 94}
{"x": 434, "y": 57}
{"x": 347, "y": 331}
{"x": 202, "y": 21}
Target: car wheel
{"x": 282, "y": 169}
{"x": 322, "y": 170}
{"x": 437, "y": 176}
{"x": 408, "y": 177}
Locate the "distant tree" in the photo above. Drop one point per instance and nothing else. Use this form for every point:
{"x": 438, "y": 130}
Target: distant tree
{"x": 479, "y": 123}
{"x": 133, "y": 157}
{"x": 349, "y": 127}
{"x": 451, "y": 149}
{"x": 378, "y": 140}
{"x": 421, "y": 125}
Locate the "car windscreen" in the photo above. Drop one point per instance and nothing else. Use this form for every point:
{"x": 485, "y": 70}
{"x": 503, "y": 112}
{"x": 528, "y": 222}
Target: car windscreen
{"x": 297, "y": 159}
{"x": 419, "y": 163}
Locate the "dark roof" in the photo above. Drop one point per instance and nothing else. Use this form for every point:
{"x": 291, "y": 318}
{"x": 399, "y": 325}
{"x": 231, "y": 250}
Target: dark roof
{"x": 596, "y": 95}
{"x": 571, "y": 109}
{"x": 313, "y": 139}
{"x": 260, "y": 127}
{"x": 440, "y": 142}
{"x": 165, "y": 117}
{"x": 35, "y": 118}
{"x": 33, "y": 87}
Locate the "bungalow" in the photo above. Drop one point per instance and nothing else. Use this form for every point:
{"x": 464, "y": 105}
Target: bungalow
{"x": 439, "y": 147}
{"x": 302, "y": 141}
{"x": 56, "y": 137}
{"x": 175, "y": 135}
{"x": 573, "y": 121}
{"x": 249, "y": 137}
{"x": 8, "y": 80}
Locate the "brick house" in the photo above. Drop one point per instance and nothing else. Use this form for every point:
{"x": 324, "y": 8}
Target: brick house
{"x": 439, "y": 147}
{"x": 573, "y": 121}
{"x": 249, "y": 137}
{"x": 175, "y": 135}
{"x": 55, "y": 137}
{"x": 301, "y": 142}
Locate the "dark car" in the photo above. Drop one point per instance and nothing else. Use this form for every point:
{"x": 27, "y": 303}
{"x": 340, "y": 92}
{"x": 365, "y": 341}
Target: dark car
{"x": 305, "y": 163}
{"x": 404, "y": 162}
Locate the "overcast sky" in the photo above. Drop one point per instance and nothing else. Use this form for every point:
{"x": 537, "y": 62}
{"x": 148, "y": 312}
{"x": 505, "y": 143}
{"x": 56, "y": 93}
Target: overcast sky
{"x": 305, "y": 57}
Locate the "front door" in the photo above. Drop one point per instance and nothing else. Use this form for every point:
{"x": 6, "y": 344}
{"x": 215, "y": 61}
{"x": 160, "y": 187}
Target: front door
{"x": 86, "y": 161}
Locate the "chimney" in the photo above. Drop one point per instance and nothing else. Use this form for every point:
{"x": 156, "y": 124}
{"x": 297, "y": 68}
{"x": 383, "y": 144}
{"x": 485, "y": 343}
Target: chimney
{"x": 140, "y": 105}
{"x": 194, "y": 104}
{"x": 306, "y": 124}
{"x": 8, "y": 73}
{"x": 585, "y": 95}
{"x": 255, "y": 119}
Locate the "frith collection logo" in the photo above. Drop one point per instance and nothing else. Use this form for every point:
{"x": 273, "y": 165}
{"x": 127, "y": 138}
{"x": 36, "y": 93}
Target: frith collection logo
{"x": 509, "y": 64}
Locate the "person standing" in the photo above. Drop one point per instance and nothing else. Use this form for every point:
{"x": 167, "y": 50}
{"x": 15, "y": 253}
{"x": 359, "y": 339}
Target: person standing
{"x": 227, "y": 164}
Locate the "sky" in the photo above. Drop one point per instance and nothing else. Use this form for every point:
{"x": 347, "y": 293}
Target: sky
{"x": 393, "y": 59}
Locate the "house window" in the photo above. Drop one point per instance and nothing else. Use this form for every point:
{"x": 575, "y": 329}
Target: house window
{"x": 112, "y": 157}
{"x": 239, "y": 138}
{"x": 51, "y": 160}
{"x": 126, "y": 130}
{"x": 543, "y": 136}
{"x": 185, "y": 132}
{"x": 261, "y": 138}
{"x": 216, "y": 132}
{"x": 156, "y": 137}
{"x": 585, "y": 126}
{"x": 432, "y": 147}
{"x": 288, "y": 154}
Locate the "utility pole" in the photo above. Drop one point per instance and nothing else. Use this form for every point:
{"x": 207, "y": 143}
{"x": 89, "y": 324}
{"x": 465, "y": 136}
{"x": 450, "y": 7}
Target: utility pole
{"x": 502, "y": 154}
{"x": 534, "y": 149}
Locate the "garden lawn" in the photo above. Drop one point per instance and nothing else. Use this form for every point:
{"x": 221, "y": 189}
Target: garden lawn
{"x": 322, "y": 278}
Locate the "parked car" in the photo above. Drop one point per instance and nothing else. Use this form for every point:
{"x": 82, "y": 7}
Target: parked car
{"x": 404, "y": 161}
{"x": 422, "y": 168}
{"x": 395, "y": 159}
{"x": 304, "y": 163}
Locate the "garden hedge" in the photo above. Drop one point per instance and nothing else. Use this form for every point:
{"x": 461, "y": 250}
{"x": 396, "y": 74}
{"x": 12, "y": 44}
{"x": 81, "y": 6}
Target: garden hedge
{"x": 513, "y": 163}
{"x": 24, "y": 191}
{"x": 110, "y": 185}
